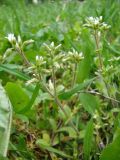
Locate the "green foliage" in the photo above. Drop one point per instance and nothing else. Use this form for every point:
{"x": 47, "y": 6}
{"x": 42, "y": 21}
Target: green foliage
{"x": 89, "y": 102}
{"x": 66, "y": 95}
{"x": 5, "y": 121}
{"x": 46, "y": 146}
{"x": 112, "y": 151}
{"x": 13, "y": 71}
{"x": 88, "y": 140}
{"x": 60, "y": 71}
{"x": 17, "y": 95}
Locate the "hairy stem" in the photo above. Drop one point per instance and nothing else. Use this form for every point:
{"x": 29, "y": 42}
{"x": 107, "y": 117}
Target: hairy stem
{"x": 97, "y": 40}
{"x": 98, "y": 49}
{"x": 59, "y": 103}
{"x": 22, "y": 54}
{"x": 54, "y": 96}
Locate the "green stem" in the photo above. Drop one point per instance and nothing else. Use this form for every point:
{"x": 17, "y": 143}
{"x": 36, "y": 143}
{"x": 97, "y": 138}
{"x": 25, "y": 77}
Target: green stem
{"x": 59, "y": 103}
{"x": 98, "y": 49}
{"x": 97, "y": 40}
{"x": 22, "y": 54}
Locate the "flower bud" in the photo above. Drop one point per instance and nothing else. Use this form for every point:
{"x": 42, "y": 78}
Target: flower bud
{"x": 11, "y": 38}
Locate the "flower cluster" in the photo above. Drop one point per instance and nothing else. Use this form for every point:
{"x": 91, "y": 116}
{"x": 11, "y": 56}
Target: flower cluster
{"x": 52, "y": 46}
{"x": 74, "y": 56}
{"x": 40, "y": 60}
{"x": 54, "y": 58}
{"x": 16, "y": 42}
{"x": 96, "y": 23}
{"x": 60, "y": 59}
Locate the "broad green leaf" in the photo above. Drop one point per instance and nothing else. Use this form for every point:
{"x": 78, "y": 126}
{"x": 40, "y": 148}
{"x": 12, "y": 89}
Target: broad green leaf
{"x": 112, "y": 151}
{"x": 14, "y": 72}
{"x": 32, "y": 99}
{"x": 87, "y": 146}
{"x": 17, "y": 95}
{"x": 67, "y": 94}
{"x": 5, "y": 121}
{"x": 85, "y": 65}
{"x": 83, "y": 69}
{"x": 3, "y": 158}
{"x": 89, "y": 102}
{"x": 44, "y": 145}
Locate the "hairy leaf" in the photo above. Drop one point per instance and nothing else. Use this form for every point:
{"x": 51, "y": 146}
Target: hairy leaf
{"x": 5, "y": 121}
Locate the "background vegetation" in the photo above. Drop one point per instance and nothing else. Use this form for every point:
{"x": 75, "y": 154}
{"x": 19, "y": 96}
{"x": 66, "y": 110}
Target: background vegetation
{"x": 39, "y": 128}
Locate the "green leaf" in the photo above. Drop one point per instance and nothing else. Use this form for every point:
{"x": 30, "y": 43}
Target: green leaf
{"x": 69, "y": 130}
{"x": 84, "y": 67}
{"x": 112, "y": 151}
{"x": 3, "y": 158}
{"x": 87, "y": 146}
{"x": 14, "y": 72}
{"x": 44, "y": 145}
{"x": 112, "y": 48}
{"x": 117, "y": 122}
{"x": 5, "y": 121}
{"x": 17, "y": 95}
{"x": 66, "y": 95}
{"x": 89, "y": 102}
{"x": 32, "y": 99}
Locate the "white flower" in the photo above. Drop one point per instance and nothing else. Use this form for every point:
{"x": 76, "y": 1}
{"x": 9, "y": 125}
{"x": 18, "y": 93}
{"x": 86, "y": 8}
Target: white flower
{"x": 35, "y": 1}
{"x": 91, "y": 18}
{"x": 105, "y": 26}
{"x": 81, "y": 54}
{"x": 40, "y": 60}
{"x": 74, "y": 55}
{"x": 96, "y": 23}
{"x": 52, "y": 44}
{"x": 100, "y": 18}
{"x": 11, "y": 38}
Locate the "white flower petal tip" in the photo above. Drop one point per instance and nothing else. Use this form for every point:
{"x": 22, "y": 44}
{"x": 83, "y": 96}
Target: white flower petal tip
{"x": 11, "y": 38}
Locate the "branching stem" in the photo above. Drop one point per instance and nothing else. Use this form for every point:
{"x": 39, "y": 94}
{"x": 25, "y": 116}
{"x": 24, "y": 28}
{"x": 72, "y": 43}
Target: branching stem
{"x": 99, "y": 94}
{"x": 58, "y": 102}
